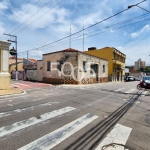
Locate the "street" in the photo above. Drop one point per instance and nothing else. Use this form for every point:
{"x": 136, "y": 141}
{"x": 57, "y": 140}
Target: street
{"x": 85, "y": 117}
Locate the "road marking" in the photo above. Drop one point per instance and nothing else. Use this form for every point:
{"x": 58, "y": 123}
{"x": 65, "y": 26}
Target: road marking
{"x": 48, "y": 94}
{"x": 12, "y": 85}
{"x": 119, "y": 89}
{"x": 52, "y": 139}
{"x": 144, "y": 93}
{"x": 21, "y": 84}
{"x": 34, "y": 100}
{"x": 32, "y": 121}
{"x": 9, "y": 104}
{"x": 4, "y": 114}
{"x": 119, "y": 134}
{"x": 13, "y": 98}
{"x": 130, "y": 91}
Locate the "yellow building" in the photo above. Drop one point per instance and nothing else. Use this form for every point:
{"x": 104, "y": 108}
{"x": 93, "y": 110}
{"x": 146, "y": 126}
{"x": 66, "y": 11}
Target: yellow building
{"x": 116, "y": 61}
{"x": 12, "y": 64}
{"x": 12, "y": 67}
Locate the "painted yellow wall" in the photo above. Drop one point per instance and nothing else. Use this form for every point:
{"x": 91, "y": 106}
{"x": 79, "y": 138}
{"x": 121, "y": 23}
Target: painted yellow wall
{"x": 106, "y": 53}
{"x": 109, "y": 53}
{"x": 13, "y": 67}
{"x": 4, "y": 82}
{"x": 0, "y": 61}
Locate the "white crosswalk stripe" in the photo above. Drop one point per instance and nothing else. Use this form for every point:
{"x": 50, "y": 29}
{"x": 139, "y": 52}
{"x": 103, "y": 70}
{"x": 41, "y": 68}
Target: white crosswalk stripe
{"x": 129, "y": 91}
{"x": 21, "y": 84}
{"x": 144, "y": 93}
{"x": 32, "y": 121}
{"x": 4, "y": 114}
{"x": 14, "y": 85}
{"x": 119, "y": 134}
{"x": 120, "y": 89}
{"x": 54, "y": 138}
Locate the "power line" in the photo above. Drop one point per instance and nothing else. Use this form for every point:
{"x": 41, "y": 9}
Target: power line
{"x": 134, "y": 39}
{"x": 86, "y": 27}
{"x": 122, "y": 22}
{"x": 101, "y": 31}
{"x": 31, "y": 16}
{"x": 40, "y": 17}
{"x": 23, "y": 15}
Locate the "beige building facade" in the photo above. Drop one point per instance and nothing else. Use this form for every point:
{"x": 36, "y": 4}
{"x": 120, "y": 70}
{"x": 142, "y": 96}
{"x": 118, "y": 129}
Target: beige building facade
{"x": 71, "y": 66}
{"x": 4, "y": 63}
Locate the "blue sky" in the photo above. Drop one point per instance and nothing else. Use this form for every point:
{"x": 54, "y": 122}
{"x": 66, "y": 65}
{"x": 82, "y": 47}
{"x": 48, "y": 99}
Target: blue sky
{"x": 44, "y": 23}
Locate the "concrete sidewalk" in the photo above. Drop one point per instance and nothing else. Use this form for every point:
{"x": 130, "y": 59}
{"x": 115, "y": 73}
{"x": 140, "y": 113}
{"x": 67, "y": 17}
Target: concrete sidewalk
{"x": 10, "y": 92}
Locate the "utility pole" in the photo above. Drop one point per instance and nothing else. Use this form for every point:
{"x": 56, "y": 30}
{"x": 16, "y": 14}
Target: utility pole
{"x": 27, "y": 59}
{"x": 14, "y": 41}
{"x": 83, "y": 36}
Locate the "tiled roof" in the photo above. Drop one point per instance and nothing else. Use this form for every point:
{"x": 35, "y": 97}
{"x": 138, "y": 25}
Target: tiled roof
{"x": 74, "y": 50}
{"x": 65, "y": 50}
{"x": 15, "y": 58}
{"x": 71, "y": 50}
{"x": 33, "y": 60}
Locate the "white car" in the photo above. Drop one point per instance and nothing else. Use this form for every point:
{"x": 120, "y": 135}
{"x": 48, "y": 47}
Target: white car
{"x": 130, "y": 78}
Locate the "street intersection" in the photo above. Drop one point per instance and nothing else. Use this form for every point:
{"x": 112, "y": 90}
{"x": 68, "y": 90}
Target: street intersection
{"x": 111, "y": 115}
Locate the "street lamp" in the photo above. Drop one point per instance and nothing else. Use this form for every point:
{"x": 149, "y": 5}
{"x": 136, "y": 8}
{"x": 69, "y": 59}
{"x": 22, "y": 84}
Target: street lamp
{"x": 130, "y": 6}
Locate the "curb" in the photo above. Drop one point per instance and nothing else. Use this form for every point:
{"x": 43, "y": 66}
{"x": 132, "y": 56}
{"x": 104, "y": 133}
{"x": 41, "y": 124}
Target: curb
{"x": 9, "y": 95}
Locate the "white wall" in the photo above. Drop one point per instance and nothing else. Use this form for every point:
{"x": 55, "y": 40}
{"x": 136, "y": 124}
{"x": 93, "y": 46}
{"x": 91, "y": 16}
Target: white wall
{"x": 32, "y": 75}
{"x": 39, "y": 70}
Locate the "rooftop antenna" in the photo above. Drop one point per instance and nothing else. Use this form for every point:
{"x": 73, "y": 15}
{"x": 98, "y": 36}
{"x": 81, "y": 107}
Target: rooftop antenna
{"x": 70, "y": 36}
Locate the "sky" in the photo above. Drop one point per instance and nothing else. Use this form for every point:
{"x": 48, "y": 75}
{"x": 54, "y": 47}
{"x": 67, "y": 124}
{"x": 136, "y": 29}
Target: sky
{"x": 40, "y": 22}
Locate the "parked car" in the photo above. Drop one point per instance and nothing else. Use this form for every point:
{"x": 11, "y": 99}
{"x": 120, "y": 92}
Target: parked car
{"x": 137, "y": 79}
{"x": 130, "y": 78}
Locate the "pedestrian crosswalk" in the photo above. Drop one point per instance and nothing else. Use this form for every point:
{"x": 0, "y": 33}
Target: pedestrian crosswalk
{"x": 122, "y": 90}
{"x": 29, "y": 85}
{"x": 52, "y": 139}
{"x": 119, "y": 133}
{"x": 116, "y": 139}
{"x": 32, "y": 121}
{"x": 68, "y": 128}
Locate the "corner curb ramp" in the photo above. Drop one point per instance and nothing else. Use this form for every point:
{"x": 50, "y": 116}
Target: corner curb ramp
{"x": 9, "y": 95}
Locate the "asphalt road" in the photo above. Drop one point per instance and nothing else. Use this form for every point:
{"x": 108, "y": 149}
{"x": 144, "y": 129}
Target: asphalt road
{"x": 108, "y": 115}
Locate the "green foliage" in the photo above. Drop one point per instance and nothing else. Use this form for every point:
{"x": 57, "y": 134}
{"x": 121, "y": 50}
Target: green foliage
{"x": 146, "y": 69}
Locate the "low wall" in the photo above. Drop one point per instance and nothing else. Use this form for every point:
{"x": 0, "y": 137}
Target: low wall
{"x": 32, "y": 75}
{"x": 72, "y": 81}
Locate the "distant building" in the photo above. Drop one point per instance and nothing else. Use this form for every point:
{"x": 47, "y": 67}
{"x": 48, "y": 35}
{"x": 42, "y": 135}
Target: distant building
{"x": 12, "y": 64}
{"x": 139, "y": 64}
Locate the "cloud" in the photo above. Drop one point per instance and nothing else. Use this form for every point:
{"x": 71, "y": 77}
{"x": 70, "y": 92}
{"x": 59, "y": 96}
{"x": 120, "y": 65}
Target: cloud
{"x": 36, "y": 53}
{"x": 88, "y": 19}
{"x": 55, "y": 24}
{"x": 124, "y": 34}
{"x": 3, "y": 5}
{"x": 37, "y": 18}
{"x": 146, "y": 28}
